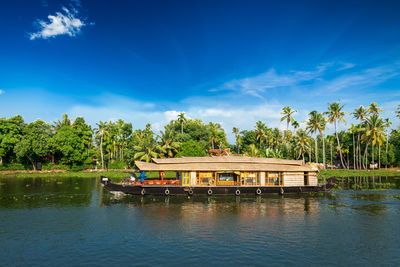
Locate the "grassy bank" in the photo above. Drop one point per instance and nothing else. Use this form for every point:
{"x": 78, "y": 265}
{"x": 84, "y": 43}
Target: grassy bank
{"x": 352, "y": 173}
{"x": 115, "y": 175}
{"x": 118, "y": 175}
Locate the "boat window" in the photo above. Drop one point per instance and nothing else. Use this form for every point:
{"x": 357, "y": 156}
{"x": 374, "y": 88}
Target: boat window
{"x": 227, "y": 178}
{"x": 205, "y": 178}
{"x": 274, "y": 178}
{"x": 250, "y": 178}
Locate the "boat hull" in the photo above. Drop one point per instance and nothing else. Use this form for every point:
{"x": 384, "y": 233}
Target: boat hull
{"x": 209, "y": 190}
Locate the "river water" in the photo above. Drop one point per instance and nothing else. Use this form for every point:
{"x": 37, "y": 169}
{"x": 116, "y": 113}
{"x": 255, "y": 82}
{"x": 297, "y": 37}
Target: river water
{"x": 72, "y": 222}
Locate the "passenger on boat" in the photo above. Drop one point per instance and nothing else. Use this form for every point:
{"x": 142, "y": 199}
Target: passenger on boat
{"x": 142, "y": 176}
{"x": 133, "y": 177}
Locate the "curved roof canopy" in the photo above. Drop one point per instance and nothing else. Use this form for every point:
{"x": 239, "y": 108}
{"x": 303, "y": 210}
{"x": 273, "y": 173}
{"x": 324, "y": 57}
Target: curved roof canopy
{"x": 223, "y": 163}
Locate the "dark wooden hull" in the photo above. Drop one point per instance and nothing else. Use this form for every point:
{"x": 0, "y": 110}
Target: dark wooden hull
{"x": 209, "y": 190}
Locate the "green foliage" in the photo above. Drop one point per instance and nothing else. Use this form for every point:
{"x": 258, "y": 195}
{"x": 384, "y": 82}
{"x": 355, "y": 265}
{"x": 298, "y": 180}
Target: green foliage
{"x": 35, "y": 142}
{"x": 14, "y": 166}
{"x": 118, "y": 164}
{"x": 191, "y": 149}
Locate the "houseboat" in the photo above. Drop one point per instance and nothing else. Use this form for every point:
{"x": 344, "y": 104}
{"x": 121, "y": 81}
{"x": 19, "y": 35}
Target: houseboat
{"x": 221, "y": 175}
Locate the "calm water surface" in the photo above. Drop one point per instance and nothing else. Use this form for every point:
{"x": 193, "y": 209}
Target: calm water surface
{"x": 74, "y": 222}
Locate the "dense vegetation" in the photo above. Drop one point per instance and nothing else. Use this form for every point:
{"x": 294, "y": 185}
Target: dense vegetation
{"x": 75, "y": 145}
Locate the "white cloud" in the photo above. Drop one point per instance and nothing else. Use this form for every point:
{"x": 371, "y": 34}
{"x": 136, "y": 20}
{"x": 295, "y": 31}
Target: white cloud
{"x": 2, "y": 92}
{"x": 59, "y": 24}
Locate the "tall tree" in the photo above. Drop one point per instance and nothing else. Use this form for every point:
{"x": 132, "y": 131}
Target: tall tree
{"x": 182, "y": 119}
{"x": 335, "y": 115}
{"x": 374, "y": 109}
{"x": 359, "y": 114}
{"x": 34, "y": 144}
{"x": 236, "y": 132}
{"x": 287, "y": 113}
{"x": 260, "y": 131}
{"x": 387, "y": 124}
{"x": 314, "y": 124}
{"x": 397, "y": 112}
{"x": 101, "y": 132}
{"x": 375, "y": 131}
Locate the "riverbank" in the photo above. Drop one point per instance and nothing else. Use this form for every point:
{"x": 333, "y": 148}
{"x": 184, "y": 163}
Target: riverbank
{"x": 325, "y": 174}
{"x": 118, "y": 175}
{"x": 115, "y": 175}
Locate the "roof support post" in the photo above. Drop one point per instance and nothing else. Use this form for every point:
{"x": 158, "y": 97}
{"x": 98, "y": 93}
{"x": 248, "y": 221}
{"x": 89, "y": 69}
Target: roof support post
{"x": 161, "y": 174}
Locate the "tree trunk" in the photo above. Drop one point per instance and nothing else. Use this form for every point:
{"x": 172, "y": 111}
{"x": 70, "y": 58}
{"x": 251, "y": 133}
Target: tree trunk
{"x": 323, "y": 149}
{"x": 354, "y": 153}
{"x": 316, "y": 148}
{"x": 338, "y": 142}
{"x": 101, "y": 152}
{"x": 181, "y": 127}
{"x": 387, "y": 140}
{"x": 373, "y": 162}
{"x": 379, "y": 156}
{"x": 331, "y": 155}
{"x": 366, "y": 156}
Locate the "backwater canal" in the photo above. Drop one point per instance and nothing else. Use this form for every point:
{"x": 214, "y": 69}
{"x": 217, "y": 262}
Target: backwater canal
{"x": 72, "y": 221}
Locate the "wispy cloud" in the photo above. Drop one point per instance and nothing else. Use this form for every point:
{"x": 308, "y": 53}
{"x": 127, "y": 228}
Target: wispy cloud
{"x": 2, "y": 92}
{"x": 259, "y": 84}
{"x": 359, "y": 80}
{"x": 63, "y": 23}
{"x": 325, "y": 77}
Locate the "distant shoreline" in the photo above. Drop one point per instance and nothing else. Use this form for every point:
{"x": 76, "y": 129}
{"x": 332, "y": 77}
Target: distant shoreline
{"x": 118, "y": 175}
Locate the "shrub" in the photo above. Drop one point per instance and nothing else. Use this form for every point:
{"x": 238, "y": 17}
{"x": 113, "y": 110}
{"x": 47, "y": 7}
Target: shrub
{"x": 117, "y": 165}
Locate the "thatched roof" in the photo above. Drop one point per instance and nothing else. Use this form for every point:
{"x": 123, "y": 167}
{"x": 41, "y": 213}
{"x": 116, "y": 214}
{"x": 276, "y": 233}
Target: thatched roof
{"x": 224, "y": 163}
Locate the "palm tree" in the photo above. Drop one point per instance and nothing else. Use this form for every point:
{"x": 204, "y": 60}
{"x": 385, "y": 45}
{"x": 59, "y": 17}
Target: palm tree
{"x": 214, "y": 130}
{"x": 397, "y": 112}
{"x": 101, "y": 132}
{"x": 375, "y": 131}
{"x": 301, "y": 142}
{"x": 253, "y": 151}
{"x": 287, "y": 113}
{"x": 335, "y": 115}
{"x": 314, "y": 124}
{"x": 182, "y": 120}
{"x": 145, "y": 153}
{"x": 260, "y": 131}
{"x": 168, "y": 146}
{"x": 387, "y": 125}
{"x": 359, "y": 114}
{"x": 353, "y": 129}
{"x": 331, "y": 142}
{"x": 236, "y": 132}
{"x": 64, "y": 122}
{"x": 374, "y": 109}
{"x": 295, "y": 124}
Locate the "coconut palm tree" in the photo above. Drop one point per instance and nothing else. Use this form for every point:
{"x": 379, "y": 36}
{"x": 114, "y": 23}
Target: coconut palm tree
{"x": 102, "y": 132}
{"x": 353, "y": 129}
{"x": 331, "y": 141}
{"x": 64, "y": 122}
{"x": 397, "y": 112}
{"x": 287, "y": 113}
{"x": 374, "y": 109}
{"x": 214, "y": 130}
{"x": 375, "y": 131}
{"x": 168, "y": 146}
{"x": 359, "y": 114}
{"x": 387, "y": 124}
{"x": 260, "y": 131}
{"x": 182, "y": 120}
{"x": 335, "y": 115}
{"x": 145, "y": 153}
{"x": 236, "y": 132}
{"x": 253, "y": 151}
{"x": 314, "y": 124}
{"x": 295, "y": 125}
{"x": 301, "y": 142}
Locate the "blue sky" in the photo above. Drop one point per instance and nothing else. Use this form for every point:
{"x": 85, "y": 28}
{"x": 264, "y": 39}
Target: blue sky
{"x": 233, "y": 62}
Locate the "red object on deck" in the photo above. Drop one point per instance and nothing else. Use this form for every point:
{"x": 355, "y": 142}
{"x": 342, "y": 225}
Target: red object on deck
{"x": 162, "y": 177}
